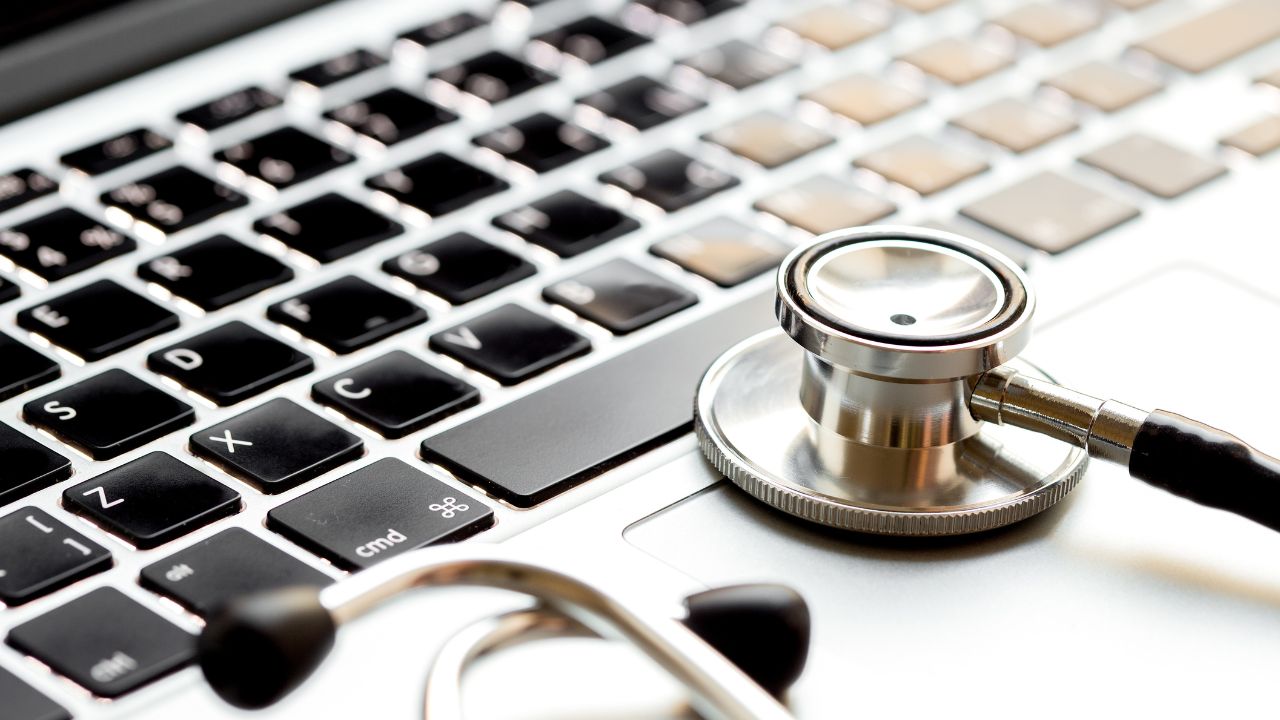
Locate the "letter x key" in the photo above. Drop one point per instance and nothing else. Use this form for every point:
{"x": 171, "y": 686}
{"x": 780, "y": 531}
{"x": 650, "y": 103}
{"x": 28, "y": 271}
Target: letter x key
{"x": 230, "y": 441}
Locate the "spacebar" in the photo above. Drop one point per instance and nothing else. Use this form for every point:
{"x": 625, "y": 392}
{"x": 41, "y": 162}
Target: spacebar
{"x": 540, "y": 445}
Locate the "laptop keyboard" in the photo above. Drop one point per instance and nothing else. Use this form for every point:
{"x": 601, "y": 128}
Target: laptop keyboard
{"x": 750, "y": 105}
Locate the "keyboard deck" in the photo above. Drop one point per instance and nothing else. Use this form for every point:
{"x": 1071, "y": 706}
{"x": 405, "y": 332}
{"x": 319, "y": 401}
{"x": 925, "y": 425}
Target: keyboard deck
{"x": 432, "y": 288}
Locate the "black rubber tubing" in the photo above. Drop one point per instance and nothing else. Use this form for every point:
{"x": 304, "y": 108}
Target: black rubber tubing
{"x": 1207, "y": 466}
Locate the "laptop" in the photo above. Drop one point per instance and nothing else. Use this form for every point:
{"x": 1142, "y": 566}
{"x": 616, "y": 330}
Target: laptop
{"x": 291, "y": 287}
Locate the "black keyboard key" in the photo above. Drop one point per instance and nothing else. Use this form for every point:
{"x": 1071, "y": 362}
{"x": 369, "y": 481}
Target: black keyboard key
{"x": 22, "y": 368}
{"x": 106, "y": 642}
{"x": 459, "y": 268}
{"x": 437, "y": 184}
{"x": 277, "y": 445}
{"x": 670, "y": 179}
{"x": 230, "y": 108}
{"x": 230, "y": 363}
{"x": 284, "y": 157}
{"x": 620, "y": 295}
{"x": 174, "y": 199}
{"x": 574, "y": 424}
{"x": 689, "y": 11}
{"x": 391, "y": 116}
{"x": 510, "y": 344}
{"x": 642, "y": 102}
{"x": 39, "y": 555}
{"x": 214, "y": 273}
{"x": 108, "y": 414}
{"x": 23, "y": 702}
{"x": 27, "y": 466}
{"x": 114, "y": 152}
{"x": 61, "y": 244}
{"x": 234, "y": 562}
{"x": 347, "y": 314}
{"x": 97, "y": 320}
{"x": 567, "y": 223}
{"x": 395, "y": 394}
{"x": 592, "y": 39}
{"x": 541, "y": 142}
{"x": 328, "y": 228}
{"x": 9, "y": 291}
{"x": 340, "y": 68}
{"x": 493, "y": 76}
{"x": 19, "y": 187}
{"x": 152, "y": 500}
{"x": 377, "y": 512}
{"x": 446, "y": 29}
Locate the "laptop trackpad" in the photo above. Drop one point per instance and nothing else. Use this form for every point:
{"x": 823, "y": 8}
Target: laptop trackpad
{"x": 1146, "y": 603}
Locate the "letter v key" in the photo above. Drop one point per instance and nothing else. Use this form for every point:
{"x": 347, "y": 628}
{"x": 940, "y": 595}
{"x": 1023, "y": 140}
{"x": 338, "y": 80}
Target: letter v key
{"x": 464, "y": 337}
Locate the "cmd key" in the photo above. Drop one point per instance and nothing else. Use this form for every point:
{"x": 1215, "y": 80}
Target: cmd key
{"x": 377, "y": 512}
{"x": 234, "y": 562}
{"x": 97, "y": 320}
{"x": 106, "y": 642}
{"x": 108, "y": 414}
{"x": 27, "y": 466}
{"x": 539, "y": 445}
{"x": 38, "y": 555}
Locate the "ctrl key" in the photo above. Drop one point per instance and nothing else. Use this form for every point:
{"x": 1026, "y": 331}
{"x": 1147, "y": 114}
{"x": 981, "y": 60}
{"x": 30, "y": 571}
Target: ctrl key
{"x": 106, "y": 642}
{"x": 377, "y": 512}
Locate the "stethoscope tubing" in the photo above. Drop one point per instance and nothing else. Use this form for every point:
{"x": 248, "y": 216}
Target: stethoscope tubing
{"x": 719, "y": 689}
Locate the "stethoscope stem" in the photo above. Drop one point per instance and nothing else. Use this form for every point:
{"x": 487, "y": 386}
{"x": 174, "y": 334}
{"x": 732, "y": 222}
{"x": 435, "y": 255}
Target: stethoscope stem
{"x": 1172, "y": 452}
{"x": 718, "y": 687}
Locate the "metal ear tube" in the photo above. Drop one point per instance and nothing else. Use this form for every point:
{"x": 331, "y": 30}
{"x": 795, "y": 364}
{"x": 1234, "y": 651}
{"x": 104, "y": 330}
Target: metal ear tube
{"x": 260, "y": 648}
{"x": 891, "y": 400}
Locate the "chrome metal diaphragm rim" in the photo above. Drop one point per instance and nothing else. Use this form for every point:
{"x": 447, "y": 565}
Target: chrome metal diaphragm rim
{"x": 752, "y": 428}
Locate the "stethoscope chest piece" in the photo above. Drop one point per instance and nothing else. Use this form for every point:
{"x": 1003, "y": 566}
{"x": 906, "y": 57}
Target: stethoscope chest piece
{"x": 855, "y": 412}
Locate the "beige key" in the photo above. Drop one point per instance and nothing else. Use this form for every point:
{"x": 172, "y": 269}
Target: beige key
{"x": 832, "y": 26}
{"x": 1154, "y": 165}
{"x": 1050, "y": 212}
{"x": 723, "y": 250}
{"x": 1259, "y": 138}
{"x": 769, "y": 138}
{"x": 823, "y": 203}
{"x": 1272, "y": 78}
{"x": 1015, "y": 124}
{"x": 1048, "y": 23}
{"x": 1106, "y": 86}
{"x": 957, "y": 60}
{"x": 1133, "y": 4}
{"x": 923, "y": 6}
{"x": 864, "y": 98}
{"x": 1217, "y": 36}
{"x": 923, "y": 165}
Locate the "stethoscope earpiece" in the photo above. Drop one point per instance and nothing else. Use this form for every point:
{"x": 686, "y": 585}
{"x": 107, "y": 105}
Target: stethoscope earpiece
{"x": 258, "y": 648}
{"x": 737, "y": 648}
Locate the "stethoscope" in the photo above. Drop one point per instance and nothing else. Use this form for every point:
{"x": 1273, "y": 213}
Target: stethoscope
{"x": 889, "y": 401}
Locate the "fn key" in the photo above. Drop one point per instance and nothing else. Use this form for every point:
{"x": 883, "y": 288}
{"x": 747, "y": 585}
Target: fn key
{"x": 379, "y": 511}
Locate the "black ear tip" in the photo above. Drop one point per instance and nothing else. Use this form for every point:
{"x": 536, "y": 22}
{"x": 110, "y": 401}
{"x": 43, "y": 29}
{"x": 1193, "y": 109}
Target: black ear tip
{"x": 764, "y": 629}
{"x": 258, "y": 648}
